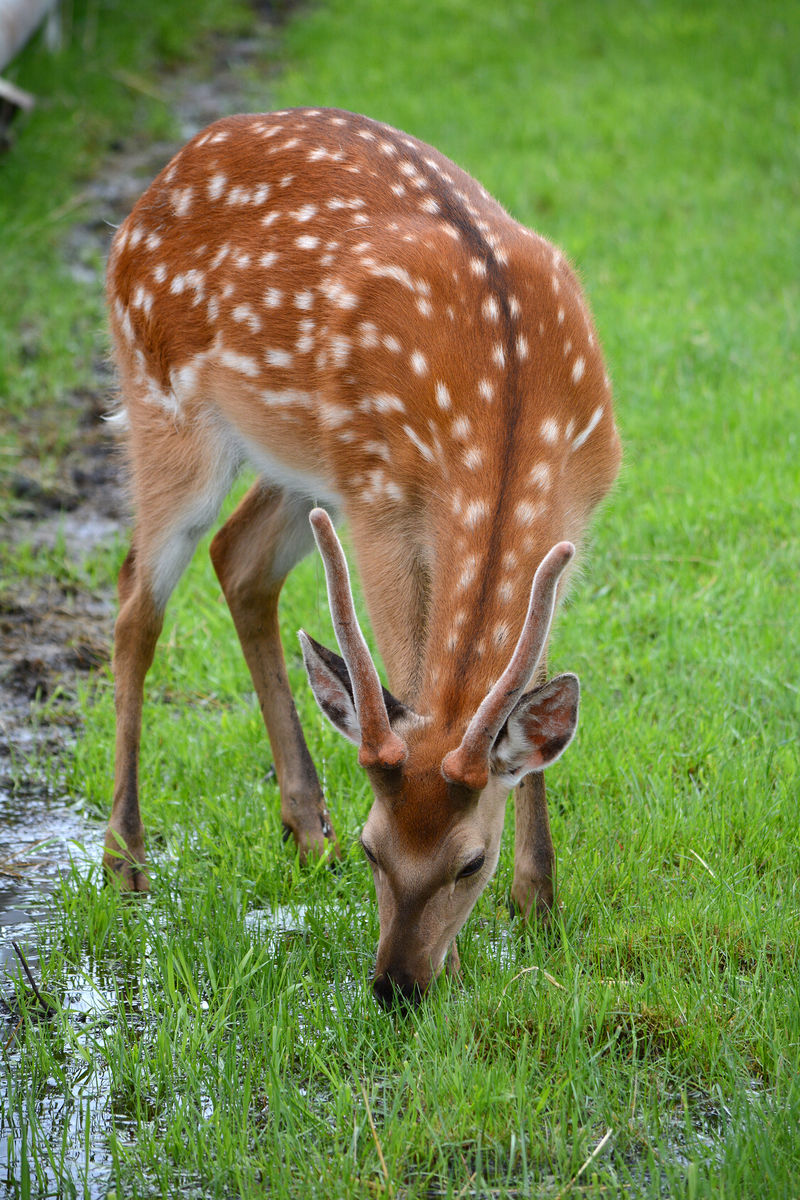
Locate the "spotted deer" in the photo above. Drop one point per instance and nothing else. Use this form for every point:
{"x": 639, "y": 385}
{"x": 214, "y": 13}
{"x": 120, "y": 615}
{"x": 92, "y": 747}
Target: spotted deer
{"x": 339, "y": 305}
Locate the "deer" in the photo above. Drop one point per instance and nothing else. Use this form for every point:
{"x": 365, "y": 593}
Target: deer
{"x": 333, "y": 302}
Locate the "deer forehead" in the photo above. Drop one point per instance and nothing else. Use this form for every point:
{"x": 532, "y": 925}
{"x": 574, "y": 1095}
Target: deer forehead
{"x": 417, "y": 854}
{"x": 423, "y": 818}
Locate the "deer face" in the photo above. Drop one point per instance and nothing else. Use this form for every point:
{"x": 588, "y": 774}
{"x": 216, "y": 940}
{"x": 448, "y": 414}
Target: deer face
{"x": 432, "y": 849}
{"x": 433, "y": 834}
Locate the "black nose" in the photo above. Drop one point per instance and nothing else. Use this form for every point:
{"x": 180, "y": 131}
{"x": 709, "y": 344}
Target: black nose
{"x": 396, "y": 988}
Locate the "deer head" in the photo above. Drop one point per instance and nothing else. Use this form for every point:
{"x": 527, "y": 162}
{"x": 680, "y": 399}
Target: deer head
{"x": 433, "y": 833}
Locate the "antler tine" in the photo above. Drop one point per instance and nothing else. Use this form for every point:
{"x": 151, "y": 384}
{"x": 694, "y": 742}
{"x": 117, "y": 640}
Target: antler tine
{"x": 469, "y": 764}
{"x": 380, "y": 746}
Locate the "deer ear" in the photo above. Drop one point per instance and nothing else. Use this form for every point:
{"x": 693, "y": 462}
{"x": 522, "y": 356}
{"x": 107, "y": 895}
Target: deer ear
{"x": 540, "y": 727}
{"x": 333, "y": 690}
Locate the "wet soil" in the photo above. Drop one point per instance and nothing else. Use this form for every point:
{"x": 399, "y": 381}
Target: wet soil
{"x": 54, "y": 630}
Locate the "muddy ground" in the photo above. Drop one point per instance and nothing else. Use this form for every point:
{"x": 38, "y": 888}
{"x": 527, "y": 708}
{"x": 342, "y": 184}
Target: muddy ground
{"x": 54, "y": 631}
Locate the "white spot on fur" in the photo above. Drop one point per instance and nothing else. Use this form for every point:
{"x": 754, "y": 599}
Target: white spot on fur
{"x": 505, "y": 591}
{"x": 334, "y": 415}
{"x": 461, "y": 428}
{"x": 528, "y": 511}
{"x": 273, "y": 297}
{"x": 368, "y": 335}
{"x": 549, "y": 430}
{"x": 380, "y": 449}
{"x": 219, "y": 257}
{"x": 475, "y": 512}
{"x": 305, "y": 213}
{"x": 578, "y": 368}
{"x": 419, "y": 363}
{"x": 246, "y": 315}
{"x": 340, "y": 347}
{"x": 583, "y": 435}
{"x": 443, "y": 396}
{"x": 243, "y": 364}
{"x": 183, "y": 380}
{"x": 277, "y": 357}
{"x": 423, "y": 448}
{"x": 238, "y": 195}
{"x": 338, "y": 294}
{"x": 540, "y": 476}
{"x": 385, "y": 402}
{"x": 392, "y": 271}
{"x": 467, "y": 573}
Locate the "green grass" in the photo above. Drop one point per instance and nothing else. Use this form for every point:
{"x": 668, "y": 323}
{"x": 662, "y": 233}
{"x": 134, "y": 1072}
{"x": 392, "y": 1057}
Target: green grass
{"x": 659, "y": 145}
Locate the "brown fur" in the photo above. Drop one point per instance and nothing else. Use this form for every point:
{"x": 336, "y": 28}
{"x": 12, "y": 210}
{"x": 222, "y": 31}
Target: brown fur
{"x": 342, "y": 304}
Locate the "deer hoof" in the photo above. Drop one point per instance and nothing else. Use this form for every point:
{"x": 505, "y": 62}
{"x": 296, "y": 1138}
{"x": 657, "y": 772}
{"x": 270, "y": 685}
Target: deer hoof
{"x": 313, "y": 841}
{"x": 538, "y": 905}
{"x": 124, "y": 871}
{"x": 125, "y": 864}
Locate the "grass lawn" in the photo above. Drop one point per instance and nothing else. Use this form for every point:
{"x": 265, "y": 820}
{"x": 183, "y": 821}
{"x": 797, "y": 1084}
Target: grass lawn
{"x": 649, "y": 1045}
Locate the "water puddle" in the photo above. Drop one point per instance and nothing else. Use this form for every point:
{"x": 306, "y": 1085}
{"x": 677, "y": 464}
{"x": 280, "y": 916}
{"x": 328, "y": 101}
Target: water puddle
{"x": 39, "y": 839}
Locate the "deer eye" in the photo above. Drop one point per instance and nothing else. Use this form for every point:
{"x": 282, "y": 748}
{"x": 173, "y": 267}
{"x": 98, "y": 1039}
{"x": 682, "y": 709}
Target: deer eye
{"x": 369, "y": 853}
{"x": 472, "y": 867}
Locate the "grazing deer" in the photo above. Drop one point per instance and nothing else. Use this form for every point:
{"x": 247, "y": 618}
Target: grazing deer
{"x": 337, "y": 303}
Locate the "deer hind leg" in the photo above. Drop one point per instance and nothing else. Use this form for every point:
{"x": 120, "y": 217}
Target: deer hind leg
{"x": 252, "y": 554}
{"x": 180, "y": 478}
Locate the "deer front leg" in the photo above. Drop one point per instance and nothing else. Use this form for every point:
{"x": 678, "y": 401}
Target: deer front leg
{"x": 532, "y": 891}
{"x": 252, "y": 555}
